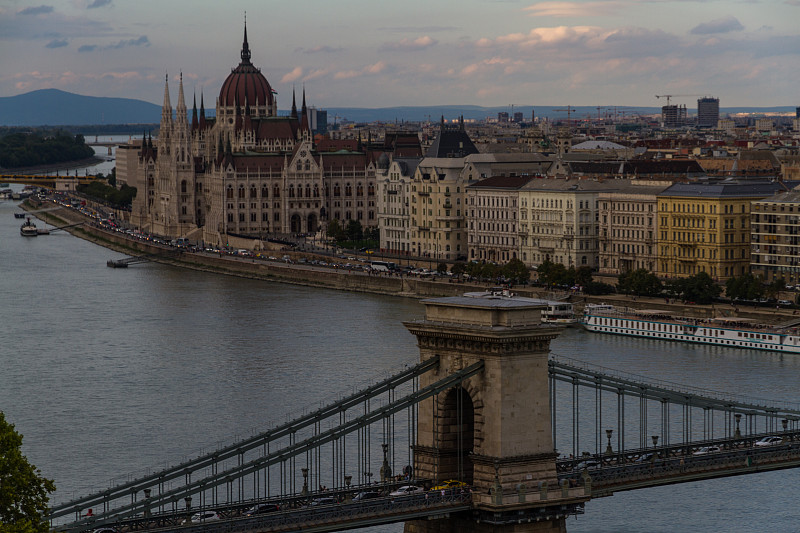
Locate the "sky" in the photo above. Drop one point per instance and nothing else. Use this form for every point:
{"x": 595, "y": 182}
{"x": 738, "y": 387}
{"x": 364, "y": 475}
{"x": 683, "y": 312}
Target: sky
{"x": 375, "y": 53}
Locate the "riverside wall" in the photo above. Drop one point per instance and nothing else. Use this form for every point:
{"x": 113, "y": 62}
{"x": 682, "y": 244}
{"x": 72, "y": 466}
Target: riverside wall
{"x": 357, "y": 281}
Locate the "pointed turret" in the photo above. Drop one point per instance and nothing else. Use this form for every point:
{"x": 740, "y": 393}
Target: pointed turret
{"x": 181, "y": 113}
{"x": 294, "y": 104}
{"x": 245, "y": 46}
{"x": 166, "y": 108}
{"x": 195, "y": 122}
{"x": 202, "y": 112}
{"x": 304, "y": 128}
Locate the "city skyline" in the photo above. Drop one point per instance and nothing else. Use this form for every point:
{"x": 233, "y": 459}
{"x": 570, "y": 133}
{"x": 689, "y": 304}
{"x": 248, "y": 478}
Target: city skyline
{"x": 352, "y": 53}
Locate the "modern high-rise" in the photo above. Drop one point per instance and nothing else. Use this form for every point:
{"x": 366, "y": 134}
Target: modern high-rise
{"x": 673, "y": 116}
{"x": 707, "y": 112}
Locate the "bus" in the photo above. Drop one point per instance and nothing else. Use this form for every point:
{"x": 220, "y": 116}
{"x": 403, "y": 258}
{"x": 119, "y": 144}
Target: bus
{"x": 382, "y": 266}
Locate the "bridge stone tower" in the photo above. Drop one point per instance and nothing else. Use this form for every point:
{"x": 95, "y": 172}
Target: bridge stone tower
{"x": 494, "y": 431}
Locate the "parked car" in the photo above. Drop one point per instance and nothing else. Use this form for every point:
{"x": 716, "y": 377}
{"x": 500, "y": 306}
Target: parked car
{"x": 328, "y": 500}
{"x": 768, "y": 441}
{"x": 707, "y": 449}
{"x": 407, "y": 490}
{"x": 203, "y": 516}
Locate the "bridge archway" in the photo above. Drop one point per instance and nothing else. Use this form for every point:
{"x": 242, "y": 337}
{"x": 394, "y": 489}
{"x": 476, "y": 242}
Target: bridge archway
{"x": 456, "y": 427}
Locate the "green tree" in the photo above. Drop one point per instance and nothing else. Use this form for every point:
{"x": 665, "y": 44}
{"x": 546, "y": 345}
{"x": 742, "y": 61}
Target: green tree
{"x": 458, "y": 268}
{"x": 583, "y": 276}
{"x": 772, "y": 289}
{"x": 335, "y": 230}
{"x": 23, "y": 490}
{"x": 744, "y": 287}
{"x": 640, "y": 282}
{"x": 699, "y": 288}
{"x": 517, "y": 271}
{"x": 441, "y": 268}
{"x": 354, "y": 232}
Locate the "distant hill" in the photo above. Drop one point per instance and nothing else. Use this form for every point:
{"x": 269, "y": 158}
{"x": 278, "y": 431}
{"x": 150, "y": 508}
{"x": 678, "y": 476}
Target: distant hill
{"x": 51, "y": 107}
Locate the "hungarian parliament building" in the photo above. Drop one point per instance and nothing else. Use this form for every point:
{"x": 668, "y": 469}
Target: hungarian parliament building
{"x": 249, "y": 172}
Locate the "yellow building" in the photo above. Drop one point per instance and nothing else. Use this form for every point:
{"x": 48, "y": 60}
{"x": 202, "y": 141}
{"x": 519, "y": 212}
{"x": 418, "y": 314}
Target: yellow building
{"x": 705, "y": 227}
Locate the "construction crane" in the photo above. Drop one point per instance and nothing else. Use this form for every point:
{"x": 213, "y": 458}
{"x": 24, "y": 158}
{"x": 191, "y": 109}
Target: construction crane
{"x": 569, "y": 111}
{"x": 668, "y": 96}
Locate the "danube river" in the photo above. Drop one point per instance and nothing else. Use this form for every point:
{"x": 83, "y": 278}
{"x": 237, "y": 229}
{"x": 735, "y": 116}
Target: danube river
{"x": 108, "y": 372}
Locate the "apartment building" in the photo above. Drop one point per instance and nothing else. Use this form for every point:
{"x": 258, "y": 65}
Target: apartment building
{"x": 492, "y": 211}
{"x": 559, "y": 219}
{"x": 394, "y": 198}
{"x": 775, "y": 237}
{"x": 627, "y": 224}
{"x": 705, "y": 227}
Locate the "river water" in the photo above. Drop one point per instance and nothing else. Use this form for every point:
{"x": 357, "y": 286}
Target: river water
{"x": 108, "y": 372}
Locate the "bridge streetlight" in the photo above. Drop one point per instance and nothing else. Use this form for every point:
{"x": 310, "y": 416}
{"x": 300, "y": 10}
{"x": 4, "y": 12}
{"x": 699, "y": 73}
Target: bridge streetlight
{"x": 738, "y": 417}
{"x": 655, "y": 445}
{"x": 304, "y": 493}
{"x": 609, "y": 450}
{"x": 188, "y": 501}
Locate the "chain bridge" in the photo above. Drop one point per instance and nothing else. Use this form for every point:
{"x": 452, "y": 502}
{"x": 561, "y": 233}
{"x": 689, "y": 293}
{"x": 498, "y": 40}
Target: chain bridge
{"x": 488, "y": 432}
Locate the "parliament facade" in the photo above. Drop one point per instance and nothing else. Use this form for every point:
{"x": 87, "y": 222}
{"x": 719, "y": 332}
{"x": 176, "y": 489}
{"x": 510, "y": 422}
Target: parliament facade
{"x": 247, "y": 171}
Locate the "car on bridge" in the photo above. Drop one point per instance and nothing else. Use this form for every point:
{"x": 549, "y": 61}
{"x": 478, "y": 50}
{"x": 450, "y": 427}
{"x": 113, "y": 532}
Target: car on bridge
{"x": 262, "y": 508}
{"x": 768, "y": 441}
{"x": 203, "y": 516}
{"x": 407, "y": 490}
{"x": 367, "y": 495}
{"x": 705, "y": 450}
{"x": 450, "y": 484}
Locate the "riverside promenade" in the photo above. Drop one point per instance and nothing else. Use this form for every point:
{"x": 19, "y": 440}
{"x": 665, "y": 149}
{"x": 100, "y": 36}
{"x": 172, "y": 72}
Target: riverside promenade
{"x": 360, "y": 281}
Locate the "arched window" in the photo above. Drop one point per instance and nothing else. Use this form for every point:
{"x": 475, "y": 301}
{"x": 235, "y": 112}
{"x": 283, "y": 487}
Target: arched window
{"x": 316, "y": 191}
{"x": 241, "y": 191}
{"x": 371, "y": 190}
{"x": 253, "y": 192}
{"x": 291, "y": 191}
{"x": 336, "y": 190}
{"x": 229, "y": 192}
{"x": 183, "y": 186}
{"x": 359, "y": 190}
{"x": 348, "y": 190}
{"x": 276, "y": 192}
{"x": 264, "y": 191}
{"x": 308, "y": 165}
{"x": 299, "y": 165}
{"x": 308, "y": 191}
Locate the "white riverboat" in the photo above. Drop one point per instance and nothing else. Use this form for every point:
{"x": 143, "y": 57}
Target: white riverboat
{"x": 559, "y": 313}
{"x": 659, "y": 324}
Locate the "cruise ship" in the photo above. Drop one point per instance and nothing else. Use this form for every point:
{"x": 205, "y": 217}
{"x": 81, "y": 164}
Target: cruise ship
{"x": 658, "y": 324}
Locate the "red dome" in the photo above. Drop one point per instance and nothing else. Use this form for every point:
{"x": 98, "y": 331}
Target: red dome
{"x": 245, "y": 84}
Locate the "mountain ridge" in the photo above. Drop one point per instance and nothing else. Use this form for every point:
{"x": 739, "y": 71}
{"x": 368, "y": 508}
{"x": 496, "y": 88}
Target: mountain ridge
{"x": 54, "y": 107}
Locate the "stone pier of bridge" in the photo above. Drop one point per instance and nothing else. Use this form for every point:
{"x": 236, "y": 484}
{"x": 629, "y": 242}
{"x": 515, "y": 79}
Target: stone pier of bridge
{"x": 494, "y": 430}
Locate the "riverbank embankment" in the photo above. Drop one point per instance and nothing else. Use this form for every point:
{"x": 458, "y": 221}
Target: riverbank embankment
{"x": 359, "y": 281}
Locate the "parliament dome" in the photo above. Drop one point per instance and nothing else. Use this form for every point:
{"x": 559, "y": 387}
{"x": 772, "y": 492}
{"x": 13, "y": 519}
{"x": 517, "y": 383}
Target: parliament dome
{"x": 246, "y": 85}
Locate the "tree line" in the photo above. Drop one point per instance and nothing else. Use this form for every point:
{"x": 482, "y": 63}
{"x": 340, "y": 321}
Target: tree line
{"x": 30, "y": 149}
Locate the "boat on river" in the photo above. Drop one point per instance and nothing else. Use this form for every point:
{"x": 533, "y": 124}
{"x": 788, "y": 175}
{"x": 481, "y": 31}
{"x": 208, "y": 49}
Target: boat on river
{"x": 28, "y": 229}
{"x": 558, "y": 312}
{"x": 659, "y": 324}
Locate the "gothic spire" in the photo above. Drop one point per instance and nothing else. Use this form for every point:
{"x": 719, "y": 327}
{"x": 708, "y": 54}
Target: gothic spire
{"x": 166, "y": 109}
{"x": 202, "y": 112}
{"x": 195, "y": 123}
{"x": 245, "y": 46}
{"x": 294, "y": 104}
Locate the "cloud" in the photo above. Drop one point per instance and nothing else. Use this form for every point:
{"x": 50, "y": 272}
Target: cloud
{"x": 721, "y": 25}
{"x": 56, "y": 43}
{"x": 39, "y": 10}
{"x": 795, "y": 3}
{"x": 419, "y": 29}
{"x": 317, "y": 49}
{"x": 420, "y": 43}
{"x": 292, "y": 76}
{"x": 140, "y": 41}
{"x": 575, "y": 9}
{"x": 376, "y": 68}
{"x": 98, "y": 3}
{"x": 314, "y": 74}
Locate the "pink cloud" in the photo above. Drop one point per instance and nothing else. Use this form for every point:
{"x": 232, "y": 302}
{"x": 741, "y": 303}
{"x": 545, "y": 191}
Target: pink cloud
{"x": 292, "y": 76}
{"x": 376, "y": 68}
{"x": 419, "y": 43}
{"x": 575, "y": 9}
